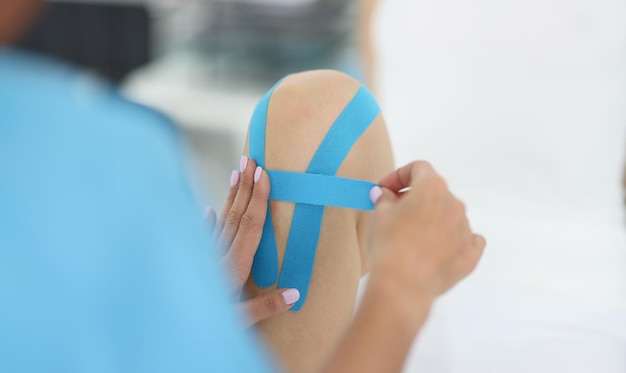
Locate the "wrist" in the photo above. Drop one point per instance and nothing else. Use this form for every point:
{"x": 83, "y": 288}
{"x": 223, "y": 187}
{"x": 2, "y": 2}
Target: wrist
{"x": 410, "y": 309}
{"x": 383, "y": 330}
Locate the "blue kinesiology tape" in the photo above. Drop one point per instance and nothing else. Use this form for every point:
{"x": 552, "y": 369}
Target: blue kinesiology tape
{"x": 310, "y": 191}
{"x": 321, "y": 190}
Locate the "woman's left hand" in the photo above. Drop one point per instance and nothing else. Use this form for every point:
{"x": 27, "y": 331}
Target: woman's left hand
{"x": 238, "y": 233}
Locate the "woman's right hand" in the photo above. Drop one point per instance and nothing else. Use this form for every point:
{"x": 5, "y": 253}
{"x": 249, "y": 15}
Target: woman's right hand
{"x": 422, "y": 245}
{"x": 421, "y": 237}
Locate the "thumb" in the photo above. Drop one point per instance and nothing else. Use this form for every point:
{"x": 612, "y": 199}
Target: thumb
{"x": 380, "y": 194}
{"x": 269, "y": 304}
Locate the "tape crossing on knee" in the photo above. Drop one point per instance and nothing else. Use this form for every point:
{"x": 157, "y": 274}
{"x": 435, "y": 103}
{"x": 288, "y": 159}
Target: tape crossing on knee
{"x": 310, "y": 191}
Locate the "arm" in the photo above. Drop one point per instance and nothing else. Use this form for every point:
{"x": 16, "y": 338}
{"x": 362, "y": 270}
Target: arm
{"x": 300, "y": 112}
{"x": 382, "y": 333}
{"x": 365, "y": 44}
{"x": 237, "y": 234}
{"x": 424, "y": 247}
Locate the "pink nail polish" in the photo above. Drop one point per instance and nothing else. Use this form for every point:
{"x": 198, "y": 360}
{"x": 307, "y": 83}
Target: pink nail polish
{"x": 234, "y": 178}
{"x": 291, "y": 296}
{"x": 257, "y": 174}
{"x": 375, "y": 194}
{"x": 243, "y": 163}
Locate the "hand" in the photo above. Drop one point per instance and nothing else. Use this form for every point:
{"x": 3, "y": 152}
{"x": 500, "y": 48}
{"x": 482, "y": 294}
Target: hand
{"x": 422, "y": 246}
{"x": 421, "y": 234}
{"x": 238, "y": 233}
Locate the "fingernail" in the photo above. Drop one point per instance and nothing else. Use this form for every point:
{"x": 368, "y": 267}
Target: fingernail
{"x": 375, "y": 194}
{"x": 257, "y": 174}
{"x": 234, "y": 178}
{"x": 208, "y": 212}
{"x": 243, "y": 163}
{"x": 291, "y": 296}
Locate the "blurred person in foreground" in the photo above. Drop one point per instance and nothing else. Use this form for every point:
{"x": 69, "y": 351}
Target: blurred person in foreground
{"x": 105, "y": 264}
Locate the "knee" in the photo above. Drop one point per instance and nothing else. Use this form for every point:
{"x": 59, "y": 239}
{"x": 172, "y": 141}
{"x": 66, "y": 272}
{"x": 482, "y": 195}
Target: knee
{"x": 300, "y": 112}
{"x": 311, "y": 99}
{"x": 329, "y": 88}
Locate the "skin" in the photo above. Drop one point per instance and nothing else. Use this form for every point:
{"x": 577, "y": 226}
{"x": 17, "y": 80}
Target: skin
{"x": 16, "y": 17}
{"x": 420, "y": 237}
{"x": 300, "y": 112}
{"x": 238, "y": 232}
{"x": 423, "y": 246}
{"x": 366, "y": 49}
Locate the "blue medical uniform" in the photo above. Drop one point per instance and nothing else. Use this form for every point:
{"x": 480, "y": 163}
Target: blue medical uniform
{"x": 105, "y": 261}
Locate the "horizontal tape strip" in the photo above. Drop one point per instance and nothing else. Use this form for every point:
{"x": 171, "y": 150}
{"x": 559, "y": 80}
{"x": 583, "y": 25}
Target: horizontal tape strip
{"x": 321, "y": 190}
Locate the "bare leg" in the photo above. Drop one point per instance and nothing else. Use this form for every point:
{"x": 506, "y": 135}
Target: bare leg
{"x": 301, "y": 111}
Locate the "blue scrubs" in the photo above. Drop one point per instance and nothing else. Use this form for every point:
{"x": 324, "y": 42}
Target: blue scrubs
{"x": 105, "y": 262}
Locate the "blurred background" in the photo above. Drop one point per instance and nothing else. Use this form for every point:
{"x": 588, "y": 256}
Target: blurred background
{"x": 204, "y": 63}
{"x": 521, "y": 105}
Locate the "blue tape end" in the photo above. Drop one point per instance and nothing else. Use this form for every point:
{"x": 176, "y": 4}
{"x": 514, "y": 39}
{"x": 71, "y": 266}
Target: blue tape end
{"x": 262, "y": 277}
{"x": 298, "y": 305}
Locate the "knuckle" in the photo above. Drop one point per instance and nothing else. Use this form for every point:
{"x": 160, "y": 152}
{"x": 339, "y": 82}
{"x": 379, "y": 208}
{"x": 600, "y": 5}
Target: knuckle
{"x": 248, "y": 222}
{"x": 471, "y": 260}
{"x": 472, "y": 249}
{"x": 437, "y": 183}
{"x": 424, "y": 168}
{"x": 260, "y": 195}
{"x": 233, "y": 218}
{"x": 246, "y": 181}
{"x": 436, "y": 187}
{"x": 422, "y": 165}
{"x": 482, "y": 242}
{"x": 478, "y": 243}
{"x": 271, "y": 304}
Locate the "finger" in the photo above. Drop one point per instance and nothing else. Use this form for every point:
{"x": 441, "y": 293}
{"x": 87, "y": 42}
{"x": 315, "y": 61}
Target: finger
{"x": 232, "y": 192}
{"x": 479, "y": 242}
{"x": 240, "y": 204}
{"x": 248, "y": 236}
{"x": 459, "y": 212}
{"x": 210, "y": 216}
{"x": 379, "y": 194}
{"x": 269, "y": 304}
{"x": 404, "y": 176}
{"x": 473, "y": 254}
{"x": 467, "y": 260}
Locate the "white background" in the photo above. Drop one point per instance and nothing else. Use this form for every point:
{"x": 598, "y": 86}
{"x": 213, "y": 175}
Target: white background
{"x": 521, "y": 105}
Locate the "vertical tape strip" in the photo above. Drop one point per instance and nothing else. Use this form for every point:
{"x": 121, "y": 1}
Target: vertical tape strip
{"x": 265, "y": 264}
{"x": 307, "y": 219}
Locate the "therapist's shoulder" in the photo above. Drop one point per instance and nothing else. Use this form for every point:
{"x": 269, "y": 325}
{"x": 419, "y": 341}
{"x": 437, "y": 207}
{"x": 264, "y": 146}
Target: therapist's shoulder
{"x": 97, "y": 215}
{"x": 48, "y": 86}
{"x": 42, "y": 97}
